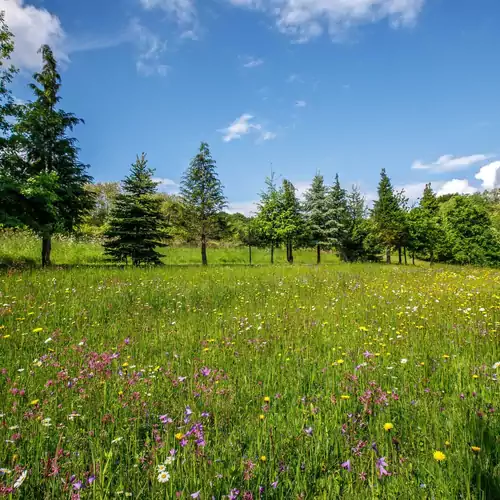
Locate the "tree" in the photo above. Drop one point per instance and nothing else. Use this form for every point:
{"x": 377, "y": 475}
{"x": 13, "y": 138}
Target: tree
{"x": 319, "y": 215}
{"x": 267, "y": 218}
{"x": 136, "y": 225}
{"x": 290, "y": 220}
{"x": 7, "y": 73}
{"x": 46, "y": 178}
{"x": 338, "y": 217}
{"x": 203, "y": 196}
{"x": 387, "y": 215}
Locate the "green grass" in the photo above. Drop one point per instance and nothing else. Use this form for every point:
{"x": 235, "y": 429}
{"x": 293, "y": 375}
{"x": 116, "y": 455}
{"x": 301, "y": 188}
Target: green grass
{"x": 109, "y": 355}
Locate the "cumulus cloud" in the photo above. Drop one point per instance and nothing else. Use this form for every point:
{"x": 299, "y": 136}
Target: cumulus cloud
{"x": 33, "y": 27}
{"x": 244, "y": 125}
{"x": 489, "y": 175}
{"x": 183, "y": 11}
{"x": 166, "y": 185}
{"x": 450, "y": 163}
{"x": 245, "y": 207}
{"x": 306, "y": 19}
{"x": 457, "y": 186}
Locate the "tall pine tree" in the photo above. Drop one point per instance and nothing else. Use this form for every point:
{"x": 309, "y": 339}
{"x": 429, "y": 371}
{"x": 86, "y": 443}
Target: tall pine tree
{"x": 319, "y": 214}
{"x": 137, "y": 224}
{"x": 47, "y": 178}
{"x": 338, "y": 216}
{"x": 203, "y": 196}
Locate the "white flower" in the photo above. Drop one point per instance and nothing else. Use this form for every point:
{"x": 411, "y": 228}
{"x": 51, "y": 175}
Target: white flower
{"x": 20, "y": 479}
{"x": 5, "y": 471}
{"x": 496, "y": 365}
{"x": 116, "y": 440}
{"x": 163, "y": 477}
{"x": 48, "y": 340}
{"x": 46, "y": 422}
{"x": 160, "y": 468}
{"x": 404, "y": 361}
{"x": 169, "y": 460}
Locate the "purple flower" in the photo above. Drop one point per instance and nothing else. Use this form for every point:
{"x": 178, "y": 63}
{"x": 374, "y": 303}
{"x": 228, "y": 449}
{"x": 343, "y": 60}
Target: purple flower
{"x": 183, "y": 442}
{"x": 374, "y": 447}
{"x": 165, "y": 419}
{"x": 181, "y": 379}
{"x": 347, "y": 465}
{"x": 233, "y": 494}
{"x": 127, "y": 341}
{"x": 205, "y": 414}
{"x": 205, "y": 371}
{"x": 77, "y": 485}
{"x": 172, "y": 452}
{"x": 196, "y": 494}
{"x": 275, "y": 484}
{"x": 381, "y": 464}
{"x": 91, "y": 479}
{"x": 309, "y": 431}
{"x": 368, "y": 354}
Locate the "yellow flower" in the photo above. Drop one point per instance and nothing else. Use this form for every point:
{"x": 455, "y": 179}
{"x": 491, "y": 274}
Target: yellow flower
{"x": 35, "y": 402}
{"x": 125, "y": 365}
{"x": 439, "y": 456}
{"x": 206, "y": 349}
{"x": 340, "y": 361}
{"x": 475, "y": 376}
{"x": 36, "y": 330}
{"x": 261, "y": 417}
{"x": 263, "y": 458}
{"x": 345, "y": 396}
{"x": 388, "y": 426}
{"x": 445, "y": 356}
{"x": 267, "y": 399}
{"x": 447, "y": 443}
{"x": 475, "y": 449}
{"x": 179, "y": 436}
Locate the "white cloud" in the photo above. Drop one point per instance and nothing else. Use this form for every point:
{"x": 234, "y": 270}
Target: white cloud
{"x": 306, "y": 19}
{"x": 252, "y": 62}
{"x": 183, "y": 10}
{"x": 151, "y": 49}
{"x": 243, "y": 126}
{"x": 489, "y": 175}
{"x": 450, "y": 163}
{"x": 246, "y": 208}
{"x": 300, "y": 104}
{"x": 166, "y": 185}
{"x": 457, "y": 186}
{"x": 33, "y": 27}
{"x": 294, "y": 78}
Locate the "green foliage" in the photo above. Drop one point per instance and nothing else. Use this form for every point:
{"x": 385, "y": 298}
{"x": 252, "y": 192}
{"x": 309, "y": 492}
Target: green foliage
{"x": 136, "y": 225}
{"x": 339, "y": 217}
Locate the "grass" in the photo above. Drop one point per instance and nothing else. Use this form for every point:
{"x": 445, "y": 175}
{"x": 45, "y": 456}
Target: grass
{"x": 276, "y": 382}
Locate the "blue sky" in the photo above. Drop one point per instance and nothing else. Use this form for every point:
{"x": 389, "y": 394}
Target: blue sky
{"x": 347, "y": 86}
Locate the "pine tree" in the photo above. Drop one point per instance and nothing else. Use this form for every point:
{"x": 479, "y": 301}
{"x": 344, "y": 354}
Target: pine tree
{"x": 290, "y": 220}
{"x": 7, "y": 73}
{"x": 136, "y": 225}
{"x": 319, "y": 214}
{"x": 47, "y": 179}
{"x": 203, "y": 196}
{"x": 267, "y": 218}
{"x": 387, "y": 215}
{"x": 338, "y": 217}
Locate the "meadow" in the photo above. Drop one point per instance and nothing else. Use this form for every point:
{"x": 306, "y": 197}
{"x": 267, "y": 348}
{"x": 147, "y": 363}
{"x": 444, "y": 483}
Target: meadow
{"x": 289, "y": 382}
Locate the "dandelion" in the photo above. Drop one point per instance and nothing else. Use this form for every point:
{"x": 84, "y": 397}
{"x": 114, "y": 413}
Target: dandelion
{"x": 179, "y": 436}
{"x": 475, "y": 449}
{"x": 439, "y": 456}
{"x": 340, "y": 361}
{"x": 388, "y": 426}
{"x": 163, "y": 477}
{"x": 267, "y": 399}
{"x": 37, "y": 330}
{"x": 20, "y": 480}
{"x": 446, "y": 356}
{"x": 35, "y": 402}
{"x": 345, "y": 396}
{"x": 263, "y": 458}
{"x": 261, "y": 417}
{"x": 447, "y": 443}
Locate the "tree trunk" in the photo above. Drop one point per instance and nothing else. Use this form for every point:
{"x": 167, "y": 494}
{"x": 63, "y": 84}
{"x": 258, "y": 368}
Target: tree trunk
{"x": 432, "y": 257}
{"x": 272, "y": 253}
{"x": 400, "y": 255}
{"x": 46, "y": 249}
{"x": 406, "y": 261}
{"x": 413, "y": 258}
{"x": 318, "y": 254}
{"x": 204, "y": 260}
{"x": 388, "y": 255}
{"x": 290, "y": 252}
{"x": 250, "y": 254}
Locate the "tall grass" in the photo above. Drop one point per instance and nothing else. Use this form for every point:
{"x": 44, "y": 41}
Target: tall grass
{"x": 262, "y": 382}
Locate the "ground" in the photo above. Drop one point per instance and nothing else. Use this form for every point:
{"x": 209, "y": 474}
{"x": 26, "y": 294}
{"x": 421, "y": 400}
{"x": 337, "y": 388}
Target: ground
{"x": 332, "y": 381}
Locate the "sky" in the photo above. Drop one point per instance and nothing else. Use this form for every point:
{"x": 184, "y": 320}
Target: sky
{"x": 291, "y": 86}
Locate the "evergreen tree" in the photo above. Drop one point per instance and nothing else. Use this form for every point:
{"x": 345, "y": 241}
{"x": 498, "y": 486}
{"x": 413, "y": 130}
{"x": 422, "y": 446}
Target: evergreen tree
{"x": 7, "y": 72}
{"x": 267, "y": 218}
{"x": 387, "y": 215}
{"x": 319, "y": 215}
{"x": 136, "y": 225}
{"x": 203, "y": 196}
{"x": 47, "y": 179}
{"x": 290, "y": 220}
{"x": 338, "y": 217}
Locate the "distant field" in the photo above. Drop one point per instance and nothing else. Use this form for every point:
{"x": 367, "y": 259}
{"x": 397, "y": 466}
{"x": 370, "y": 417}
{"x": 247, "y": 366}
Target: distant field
{"x": 361, "y": 381}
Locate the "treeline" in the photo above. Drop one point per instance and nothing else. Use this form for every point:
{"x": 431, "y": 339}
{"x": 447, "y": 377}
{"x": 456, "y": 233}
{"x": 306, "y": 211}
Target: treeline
{"x": 44, "y": 187}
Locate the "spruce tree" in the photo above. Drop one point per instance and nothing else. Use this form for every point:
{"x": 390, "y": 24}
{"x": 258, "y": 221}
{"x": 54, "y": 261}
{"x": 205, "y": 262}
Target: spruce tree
{"x": 338, "y": 216}
{"x": 290, "y": 220}
{"x": 136, "y": 225}
{"x": 203, "y": 196}
{"x": 47, "y": 178}
{"x": 387, "y": 215}
{"x": 320, "y": 217}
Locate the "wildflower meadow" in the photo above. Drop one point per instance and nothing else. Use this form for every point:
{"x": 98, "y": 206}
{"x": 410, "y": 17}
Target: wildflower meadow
{"x": 334, "y": 381}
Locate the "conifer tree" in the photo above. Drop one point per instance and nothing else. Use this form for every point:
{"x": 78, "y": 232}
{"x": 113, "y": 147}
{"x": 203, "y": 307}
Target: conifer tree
{"x": 290, "y": 220}
{"x": 338, "y": 217}
{"x": 136, "y": 225}
{"x": 387, "y": 215}
{"x": 320, "y": 217}
{"x": 47, "y": 178}
{"x": 203, "y": 196}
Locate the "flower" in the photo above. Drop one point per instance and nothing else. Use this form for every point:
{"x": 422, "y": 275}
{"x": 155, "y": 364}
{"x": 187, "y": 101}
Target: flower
{"x": 496, "y": 365}
{"x": 35, "y": 402}
{"x": 196, "y": 494}
{"x": 179, "y": 436}
{"x": 163, "y": 477}
{"x": 263, "y": 458}
{"x": 116, "y": 440}
{"x": 46, "y": 422}
{"x": 161, "y": 468}
{"x": 381, "y": 465}
{"x": 340, "y": 361}
{"x": 20, "y": 479}
{"x": 347, "y": 465}
{"x": 404, "y": 361}
{"x": 475, "y": 449}
{"x": 345, "y": 396}
{"x": 308, "y": 431}
{"x": 439, "y": 456}
{"x": 447, "y": 443}
{"x": 446, "y": 356}
{"x": 169, "y": 460}
{"x": 388, "y": 426}
{"x": 37, "y": 330}
{"x": 261, "y": 417}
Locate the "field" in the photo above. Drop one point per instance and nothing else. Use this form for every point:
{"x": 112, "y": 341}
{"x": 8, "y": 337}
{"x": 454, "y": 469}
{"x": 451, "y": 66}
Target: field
{"x": 334, "y": 381}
